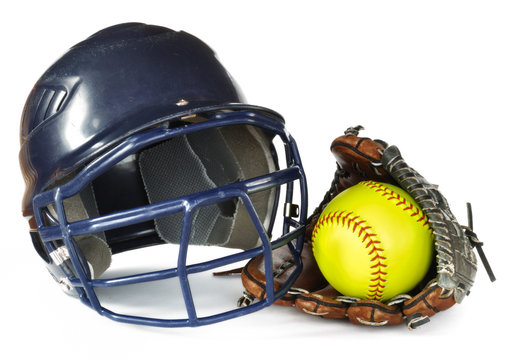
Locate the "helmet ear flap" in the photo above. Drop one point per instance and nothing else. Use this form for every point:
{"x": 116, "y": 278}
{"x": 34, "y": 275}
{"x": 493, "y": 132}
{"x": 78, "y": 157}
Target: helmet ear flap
{"x": 39, "y": 246}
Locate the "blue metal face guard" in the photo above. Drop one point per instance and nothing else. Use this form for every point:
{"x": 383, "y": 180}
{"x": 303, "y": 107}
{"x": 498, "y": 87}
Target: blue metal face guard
{"x": 79, "y": 275}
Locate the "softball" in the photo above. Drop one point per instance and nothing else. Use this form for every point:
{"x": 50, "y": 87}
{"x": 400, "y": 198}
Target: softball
{"x": 372, "y": 241}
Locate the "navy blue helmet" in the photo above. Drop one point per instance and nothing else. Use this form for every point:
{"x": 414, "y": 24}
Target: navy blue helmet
{"x": 138, "y": 137}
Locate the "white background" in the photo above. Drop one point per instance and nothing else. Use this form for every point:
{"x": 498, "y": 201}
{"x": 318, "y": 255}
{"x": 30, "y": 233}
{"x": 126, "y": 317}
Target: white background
{"x": 429, "y": 76}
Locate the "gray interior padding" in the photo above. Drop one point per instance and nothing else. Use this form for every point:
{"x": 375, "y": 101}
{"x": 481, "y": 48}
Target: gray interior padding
{"x": 203, "y": 161}
{"x": 183, "y": 166}
{"x": 93, "y": 246}
{"x": 96, "y": 251}
{"x": 187, "y": 165}
{"x": 252, "y": 149}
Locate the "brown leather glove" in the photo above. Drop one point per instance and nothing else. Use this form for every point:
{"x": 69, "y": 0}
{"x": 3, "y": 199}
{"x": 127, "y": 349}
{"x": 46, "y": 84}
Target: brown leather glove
{"x": 447, "y": 282}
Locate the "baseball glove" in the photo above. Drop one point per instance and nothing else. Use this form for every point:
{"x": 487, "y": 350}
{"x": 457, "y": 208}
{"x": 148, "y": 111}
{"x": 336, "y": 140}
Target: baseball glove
{"x": 448, "y": 280}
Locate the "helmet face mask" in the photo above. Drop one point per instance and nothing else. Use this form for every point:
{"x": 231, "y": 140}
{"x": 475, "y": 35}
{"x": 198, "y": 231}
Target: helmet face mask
{"x": 202, "y": 172}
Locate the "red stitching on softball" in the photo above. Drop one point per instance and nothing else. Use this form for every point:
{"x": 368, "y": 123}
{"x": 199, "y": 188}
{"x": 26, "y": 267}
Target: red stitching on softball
{"x": 368, "y": 238}
{"x": 400, "y": 201}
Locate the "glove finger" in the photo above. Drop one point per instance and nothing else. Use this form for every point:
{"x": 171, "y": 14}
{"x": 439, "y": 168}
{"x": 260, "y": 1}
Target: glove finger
{"x": 322, "y": 303}
{"x": 374, "y": 313}
{"x": 428, "y": 302}
{"x": 253, "y": 274}
{"x": 360, "y": 158}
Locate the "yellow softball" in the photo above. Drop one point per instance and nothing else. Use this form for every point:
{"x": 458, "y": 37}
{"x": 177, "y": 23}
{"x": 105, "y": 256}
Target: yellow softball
{"x": 372, "y": 241}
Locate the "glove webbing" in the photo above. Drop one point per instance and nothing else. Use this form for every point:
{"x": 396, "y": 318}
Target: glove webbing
{"x": 456, "y": 262}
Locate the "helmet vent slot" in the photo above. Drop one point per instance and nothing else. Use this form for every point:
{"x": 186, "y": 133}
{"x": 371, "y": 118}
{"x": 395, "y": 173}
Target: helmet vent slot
{"x": 48, "y": 102}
